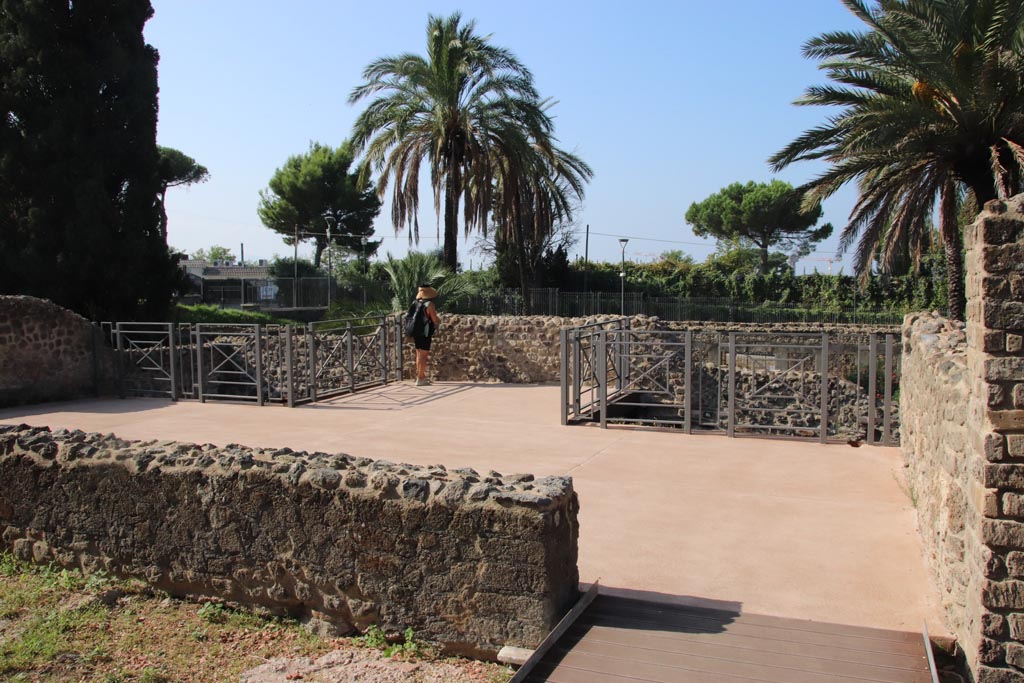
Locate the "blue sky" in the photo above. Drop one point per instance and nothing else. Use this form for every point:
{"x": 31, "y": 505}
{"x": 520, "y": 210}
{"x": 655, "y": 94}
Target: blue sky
{"x": 667, "y": 101}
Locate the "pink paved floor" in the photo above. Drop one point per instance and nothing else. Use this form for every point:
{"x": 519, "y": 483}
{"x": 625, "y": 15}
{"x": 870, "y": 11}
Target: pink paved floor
{"x": 786, "y": 528}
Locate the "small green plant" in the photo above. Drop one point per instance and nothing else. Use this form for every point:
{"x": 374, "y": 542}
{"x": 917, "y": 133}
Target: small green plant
{"x": 374, "y": 637}
{"x": 409, "y": 647}
{"x": 10, "y": 565}
{"x": 213, "y": 613}
{"x": 151, "y": 674}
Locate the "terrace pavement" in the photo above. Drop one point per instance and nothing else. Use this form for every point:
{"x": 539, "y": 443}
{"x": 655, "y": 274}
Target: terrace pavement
{"x": 786, "y": 528}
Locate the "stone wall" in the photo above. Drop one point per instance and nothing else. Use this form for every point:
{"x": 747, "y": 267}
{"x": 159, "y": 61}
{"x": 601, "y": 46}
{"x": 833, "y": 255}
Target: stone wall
{"x": 525, "y": 349}
{"x": 469, "y": 561}
{"x": 48, "y": 353}
{"x": 963, "y": 440}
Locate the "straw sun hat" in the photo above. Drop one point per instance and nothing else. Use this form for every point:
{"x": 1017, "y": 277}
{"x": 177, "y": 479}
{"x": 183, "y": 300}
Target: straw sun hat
{"x": 426, "y": 292}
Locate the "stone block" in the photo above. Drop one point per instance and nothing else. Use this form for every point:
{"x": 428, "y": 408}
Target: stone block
{"x": 1014, "y": 343}
{"x": 1003, "y": 476}
{"x": 988, "y": 674}
{"x": 1002, "y": 258}
{"x": 994, "y": 446}
{"x": 1018, "y": 395}
{"x": 1015, "y": 655}
{"x": 1003, "y": 315}
{"x": 1002, "y": 533}
{"x": 1015, "y": 564}
{"x": 992, "y": 652}
{"x": 1008, "y": 369}
{"x": 996, "y": 395}
{"x": 994, "y": 625}
{"x": 1016, "y": 624}
{"x": 1000, "y": 230}
{"x": 1003, "y": 594}
{"x": 1015, "y": 445}
{"x": 1006, "y": 419}
{"x": 1013, "y": 505}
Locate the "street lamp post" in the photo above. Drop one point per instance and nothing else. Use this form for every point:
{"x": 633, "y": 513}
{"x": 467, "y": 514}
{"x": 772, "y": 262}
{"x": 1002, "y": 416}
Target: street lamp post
{"x": 295, "y": 269}
{"x": 330, "y": 261}
{"x": 622, "y": 273}
{"x": 366, "y": 268}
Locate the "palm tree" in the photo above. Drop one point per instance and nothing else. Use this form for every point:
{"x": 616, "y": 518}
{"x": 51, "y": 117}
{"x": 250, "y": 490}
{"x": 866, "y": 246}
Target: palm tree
{"x": 446, "y": 109}
{"x": 537, "y": 187}
{"x": 416, "y": 269}
{"x": 931, "y": 102}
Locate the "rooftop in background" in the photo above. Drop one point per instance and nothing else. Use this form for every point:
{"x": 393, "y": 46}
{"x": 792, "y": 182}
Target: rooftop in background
{"x": 216, "y": 271}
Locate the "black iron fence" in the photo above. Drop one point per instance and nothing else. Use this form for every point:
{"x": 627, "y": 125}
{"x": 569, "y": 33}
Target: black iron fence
{"x": 821, "y": 386}
{"x": 284, "y": 364}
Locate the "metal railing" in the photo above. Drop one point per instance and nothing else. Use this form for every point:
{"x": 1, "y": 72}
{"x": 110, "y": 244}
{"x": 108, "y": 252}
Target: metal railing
{"x": 253, "y": 363}
{"x": 821, "y": 386}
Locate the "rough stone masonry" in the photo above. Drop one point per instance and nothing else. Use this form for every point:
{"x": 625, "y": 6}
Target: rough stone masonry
{"x": 962, "y": 404}
{"x": 469, "y": 561}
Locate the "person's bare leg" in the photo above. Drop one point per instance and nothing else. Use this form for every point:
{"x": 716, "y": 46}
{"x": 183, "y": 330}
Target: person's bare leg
{"x": 421, "y": 364}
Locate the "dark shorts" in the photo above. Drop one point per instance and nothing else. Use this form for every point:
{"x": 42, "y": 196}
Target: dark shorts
{"x": 422, "y": 343}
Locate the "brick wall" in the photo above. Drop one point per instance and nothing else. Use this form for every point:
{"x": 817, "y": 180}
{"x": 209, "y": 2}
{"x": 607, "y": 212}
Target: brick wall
{"x": 963, "y": 440}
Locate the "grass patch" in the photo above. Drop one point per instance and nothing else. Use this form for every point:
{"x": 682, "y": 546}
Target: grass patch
{"x": 63, "y": 626}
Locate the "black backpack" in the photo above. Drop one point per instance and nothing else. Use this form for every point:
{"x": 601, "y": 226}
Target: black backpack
{"x": 417, "y": 324}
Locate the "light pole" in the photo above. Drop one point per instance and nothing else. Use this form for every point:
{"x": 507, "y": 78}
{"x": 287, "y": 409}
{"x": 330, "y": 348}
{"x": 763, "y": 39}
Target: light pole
{"x": 622, "y": 273}
{"x": 295, "y": 269}
{"x": 330, "y": 269}
{"x": 366, "y": 268}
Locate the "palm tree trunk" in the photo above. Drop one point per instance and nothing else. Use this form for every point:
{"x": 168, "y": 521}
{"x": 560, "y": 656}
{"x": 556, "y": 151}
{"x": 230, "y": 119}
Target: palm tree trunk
{"x": 450, "y": 254}
{"x": 952, "y": 243}
{"x": 524, "y": 280}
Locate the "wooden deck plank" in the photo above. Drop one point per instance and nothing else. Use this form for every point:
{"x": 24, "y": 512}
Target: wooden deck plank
{"x": 687, "y": 625}
{"x": 669, "y": 609}
{"x": 770, "y": 665}
{"x": 742, "y": 644}
{"x": 620, "y": 640}
{"x": 685, "y": 669}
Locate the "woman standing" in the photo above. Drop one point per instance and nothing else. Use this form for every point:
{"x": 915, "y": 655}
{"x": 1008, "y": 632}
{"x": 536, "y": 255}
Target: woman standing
{"x": 425, "y": 333}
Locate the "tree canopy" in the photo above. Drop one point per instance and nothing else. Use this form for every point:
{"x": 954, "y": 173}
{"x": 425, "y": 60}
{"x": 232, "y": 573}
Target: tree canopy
{"x": 459, "y": 109}
{"x": 216, "y": 253}
{"x": 176, "y": 169}
{"x": 78, "y": 159}
{"x": 314, "y": 195}
{"x": 764, "y": 215}
{"x": 930, "y": 105}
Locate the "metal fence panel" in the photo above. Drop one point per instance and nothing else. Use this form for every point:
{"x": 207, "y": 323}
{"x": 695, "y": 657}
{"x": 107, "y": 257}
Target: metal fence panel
{"x": 818, "y": 386}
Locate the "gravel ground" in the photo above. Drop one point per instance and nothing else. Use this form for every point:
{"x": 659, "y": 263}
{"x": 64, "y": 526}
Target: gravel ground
{"x": 371, "y": 666}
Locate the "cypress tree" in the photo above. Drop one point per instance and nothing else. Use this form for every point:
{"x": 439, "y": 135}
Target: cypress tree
{"x": 79, "y": 221}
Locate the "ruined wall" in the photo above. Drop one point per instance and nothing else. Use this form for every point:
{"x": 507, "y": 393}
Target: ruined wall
{"x": 943, "y": 468}
{"x": 963, "y": 440}
{"x": 472, "y": 562}
{"x": 48, "y": 353}
{"x": 477, "y": 348}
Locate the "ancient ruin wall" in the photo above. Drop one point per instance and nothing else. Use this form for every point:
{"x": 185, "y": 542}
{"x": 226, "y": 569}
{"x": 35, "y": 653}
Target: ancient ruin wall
{"x": 472, "y": 562}
{"x": 942, "y": 465}
{"x": 525, "y": 349}
{"x": 969, "y": 481}
{"x": 48, "y": 353}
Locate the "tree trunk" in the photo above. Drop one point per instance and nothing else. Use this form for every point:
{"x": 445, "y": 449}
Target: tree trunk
{"x": 452, "y": 190}
{"x": 764, "y": 259}
{"x": 952, "y": 243}
{"x": 524, "y": 280}
{"x": 318, "y": 254}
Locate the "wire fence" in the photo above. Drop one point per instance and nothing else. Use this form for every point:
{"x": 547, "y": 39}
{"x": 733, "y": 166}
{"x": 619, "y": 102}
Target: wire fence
{"x": 287, "y": 293}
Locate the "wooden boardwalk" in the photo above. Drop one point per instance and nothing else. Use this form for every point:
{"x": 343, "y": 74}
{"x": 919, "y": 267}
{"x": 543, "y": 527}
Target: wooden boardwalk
{"x": 619, "y": 640}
